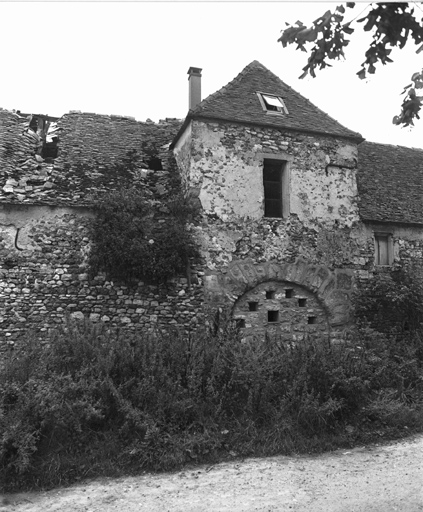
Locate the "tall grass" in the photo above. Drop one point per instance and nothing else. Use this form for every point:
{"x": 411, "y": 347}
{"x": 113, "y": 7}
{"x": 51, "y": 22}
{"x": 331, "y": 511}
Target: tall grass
{"x": 92, "y": 402}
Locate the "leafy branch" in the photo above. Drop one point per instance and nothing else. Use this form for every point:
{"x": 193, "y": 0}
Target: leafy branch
{"x": 390, "y": 24}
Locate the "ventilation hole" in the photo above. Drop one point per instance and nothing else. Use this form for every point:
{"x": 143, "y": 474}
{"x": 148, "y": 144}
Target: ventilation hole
{"x": 240, "y": 323}
{"x": 270, "y": 295}
{"x": 312, "y": 320}
{"x": 253, "y": 306}
{"x": 302, "y": 303}
{"x": 289, "y": 293}
{"x": 155, "y": 164}
{"x": 272, "y": 316}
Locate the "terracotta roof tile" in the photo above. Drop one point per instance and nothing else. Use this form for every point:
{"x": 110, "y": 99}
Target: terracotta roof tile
{"x": 390, "y": 183}
{"x": 238, "y": 101}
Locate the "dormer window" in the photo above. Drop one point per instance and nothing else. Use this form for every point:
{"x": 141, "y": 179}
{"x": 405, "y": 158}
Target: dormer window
{"x": 272, "y": 104}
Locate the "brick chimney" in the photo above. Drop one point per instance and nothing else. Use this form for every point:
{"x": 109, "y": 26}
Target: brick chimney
{"x": 194, "y": 80}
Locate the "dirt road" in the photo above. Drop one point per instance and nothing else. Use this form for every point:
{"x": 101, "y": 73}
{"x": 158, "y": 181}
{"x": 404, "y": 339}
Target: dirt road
{"x": 378, "y": 478}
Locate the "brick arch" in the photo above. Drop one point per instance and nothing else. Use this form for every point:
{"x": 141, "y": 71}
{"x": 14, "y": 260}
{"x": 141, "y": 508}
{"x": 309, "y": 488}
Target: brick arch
{"x": 331, "y": 288}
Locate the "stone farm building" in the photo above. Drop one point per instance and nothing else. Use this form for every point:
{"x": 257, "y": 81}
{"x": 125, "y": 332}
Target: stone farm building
{"x": 294, "y": 211}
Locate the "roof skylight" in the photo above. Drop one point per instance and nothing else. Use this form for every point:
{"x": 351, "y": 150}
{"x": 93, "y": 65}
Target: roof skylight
{"x": 272, "y": 104}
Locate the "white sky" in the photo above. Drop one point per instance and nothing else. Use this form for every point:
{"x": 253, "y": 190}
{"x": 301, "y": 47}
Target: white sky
{"x": 132, "y": 58}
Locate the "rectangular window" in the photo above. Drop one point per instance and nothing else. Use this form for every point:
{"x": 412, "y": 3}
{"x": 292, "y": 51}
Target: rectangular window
{"x": 272, "y": 182}
{"x": 383, "y": 249}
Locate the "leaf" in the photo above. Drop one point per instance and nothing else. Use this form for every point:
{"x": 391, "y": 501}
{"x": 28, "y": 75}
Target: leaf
{"x": 340, "y": 9}
{"x": 347, "y": 29}
{"x": 309, "y": 34}
{"x": 361, "y": 74}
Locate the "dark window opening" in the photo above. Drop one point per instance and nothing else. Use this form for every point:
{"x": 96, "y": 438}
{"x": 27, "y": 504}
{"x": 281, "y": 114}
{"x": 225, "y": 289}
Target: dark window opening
{"x": 312, "y": 320}
{"x": 253, "y": 306}
{"x": 33, "y": 124}
{"x": 272, "y": 316}
{"x": 302, "y": 303}
{"x": 50, "y": 150}
{"x": 155, "y": 164}
{"x": 240, "y": 323}
{"x": 289, "y": 293}
{"x": 272, "y": 182}
{"x": 270, "y": 295}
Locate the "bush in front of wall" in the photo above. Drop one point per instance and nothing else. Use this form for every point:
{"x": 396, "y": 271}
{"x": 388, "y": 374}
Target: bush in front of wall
{"x": 391, "y": 302}
{"x": 92, "y": 402}
{"x": 133, "y": 238}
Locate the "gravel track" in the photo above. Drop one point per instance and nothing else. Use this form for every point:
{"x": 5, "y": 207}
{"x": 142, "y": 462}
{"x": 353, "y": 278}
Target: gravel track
{"x": 376, "y": 478}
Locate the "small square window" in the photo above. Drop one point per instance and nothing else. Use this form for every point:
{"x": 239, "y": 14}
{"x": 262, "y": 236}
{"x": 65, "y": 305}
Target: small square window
{"x": 383, "y": 249}
{"x": 302, "y": 303}
{"x": 240, "y": 323}
{"x": 272, "y": 316}
{"x": 289, "y": 293}
{"x": 312, "y": 320}
{"x": 270, "y": 295}
{"x": 253, "y": 306}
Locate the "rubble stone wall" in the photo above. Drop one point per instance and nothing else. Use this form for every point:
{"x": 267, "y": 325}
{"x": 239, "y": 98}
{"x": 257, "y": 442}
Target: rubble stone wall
{"x": 44, "y": 277}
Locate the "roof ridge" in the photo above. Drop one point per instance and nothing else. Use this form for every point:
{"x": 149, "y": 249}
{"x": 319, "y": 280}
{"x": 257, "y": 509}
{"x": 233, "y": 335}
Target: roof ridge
{"x": 237, "y": 101}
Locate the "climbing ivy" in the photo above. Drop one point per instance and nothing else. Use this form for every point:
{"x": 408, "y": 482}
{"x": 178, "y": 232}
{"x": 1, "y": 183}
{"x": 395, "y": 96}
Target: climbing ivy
{"x": 135, "y": 238}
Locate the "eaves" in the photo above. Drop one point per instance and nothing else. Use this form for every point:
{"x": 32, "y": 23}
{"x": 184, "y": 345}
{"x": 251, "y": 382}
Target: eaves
{"x": 190, "y": 116}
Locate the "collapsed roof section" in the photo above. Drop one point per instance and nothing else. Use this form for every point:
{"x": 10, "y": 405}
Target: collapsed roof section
{"x": 76, "y": 158}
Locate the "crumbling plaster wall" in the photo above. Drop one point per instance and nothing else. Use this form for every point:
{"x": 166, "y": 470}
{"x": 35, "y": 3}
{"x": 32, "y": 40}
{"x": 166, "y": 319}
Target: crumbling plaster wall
{"x": 226, "y": 170}
{"x": 318, "y": 246}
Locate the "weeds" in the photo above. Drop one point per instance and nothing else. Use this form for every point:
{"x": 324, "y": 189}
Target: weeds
{"x": 92, "y": 402}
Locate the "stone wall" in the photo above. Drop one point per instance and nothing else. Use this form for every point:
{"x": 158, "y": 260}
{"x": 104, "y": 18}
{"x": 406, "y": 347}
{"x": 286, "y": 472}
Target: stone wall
{"x": 317, "y": 248}
{"x": 44, "y": 277}
{"x": 45, "y": 214}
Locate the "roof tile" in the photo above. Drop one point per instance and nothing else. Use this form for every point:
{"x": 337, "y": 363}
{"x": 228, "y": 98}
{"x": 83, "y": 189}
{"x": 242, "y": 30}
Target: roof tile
{"x": 238, "y": 101}
{"x": 390, "y": 183}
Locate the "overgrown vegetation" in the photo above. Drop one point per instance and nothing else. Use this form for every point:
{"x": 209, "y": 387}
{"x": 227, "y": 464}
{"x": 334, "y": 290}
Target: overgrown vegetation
{"x": 392, "y": 302}
{"x": 92, "y": 403}
{"x": 136, "y": 238}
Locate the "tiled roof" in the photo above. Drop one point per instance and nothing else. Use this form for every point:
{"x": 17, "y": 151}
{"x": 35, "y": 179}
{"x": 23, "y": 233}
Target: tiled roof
{"x": 238, "y": 101}
{"x": 390, "y": 183}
